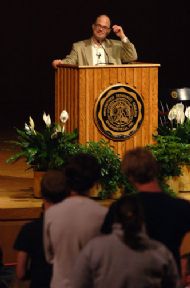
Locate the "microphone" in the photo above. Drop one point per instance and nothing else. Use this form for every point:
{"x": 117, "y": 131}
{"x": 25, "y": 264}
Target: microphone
{"x": 108, "y": 62}
{"x": 98, "y": 54}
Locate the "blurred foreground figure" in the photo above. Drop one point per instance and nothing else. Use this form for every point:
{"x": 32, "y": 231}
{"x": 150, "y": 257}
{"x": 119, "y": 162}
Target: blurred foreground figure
{"x": 73, "y": 222}
{"x": 126, "y": 257}
{"x": 31, "y": 262}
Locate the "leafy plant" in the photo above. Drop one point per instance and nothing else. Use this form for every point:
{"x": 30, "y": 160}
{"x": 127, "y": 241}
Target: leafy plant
{"x": 47, "y": 148}
{"x": 170, "y": 153}
{"x": 178, "y": 124}
{"x": 172, "y": 142}
{"x": 51, "y": 147}
{"x": 111, "y": 176}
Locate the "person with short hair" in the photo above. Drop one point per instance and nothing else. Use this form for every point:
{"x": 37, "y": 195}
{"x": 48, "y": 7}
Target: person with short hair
{"x": 167, "y": 218}
{"x": 73, "y": 222}
{"x": 31, "y": 262}
{"x": 99, "y": 49}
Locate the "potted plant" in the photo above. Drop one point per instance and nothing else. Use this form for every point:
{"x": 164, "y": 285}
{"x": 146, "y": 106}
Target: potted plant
{"x": 172, "y": 144}
{"x": 51, "y": 147}
{"x": 177, "y": 124}
{"x": 44, "y": 149}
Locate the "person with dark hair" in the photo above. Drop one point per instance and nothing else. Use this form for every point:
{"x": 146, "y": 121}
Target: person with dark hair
{"x": 31, "y": 262}
{"x": 98, "y": 49}
{"x": 126, "y": 257}
{"x": 167, "y": 218}
{"x": 73, "y": 222}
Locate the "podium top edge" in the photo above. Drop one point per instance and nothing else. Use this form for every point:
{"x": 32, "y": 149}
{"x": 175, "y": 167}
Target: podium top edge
{"x": 135, "y": 65}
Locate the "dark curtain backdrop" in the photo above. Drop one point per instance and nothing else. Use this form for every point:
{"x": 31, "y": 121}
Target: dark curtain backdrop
{"x": 33, "y": 33}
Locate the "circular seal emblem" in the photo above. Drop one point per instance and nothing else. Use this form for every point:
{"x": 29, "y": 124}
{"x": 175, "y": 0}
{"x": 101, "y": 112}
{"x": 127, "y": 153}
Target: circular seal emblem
{"x": 119, "y": 112}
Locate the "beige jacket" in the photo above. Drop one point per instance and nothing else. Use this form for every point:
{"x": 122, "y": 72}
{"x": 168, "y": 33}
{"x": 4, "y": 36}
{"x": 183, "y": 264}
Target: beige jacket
{"x": 117, "y": 52}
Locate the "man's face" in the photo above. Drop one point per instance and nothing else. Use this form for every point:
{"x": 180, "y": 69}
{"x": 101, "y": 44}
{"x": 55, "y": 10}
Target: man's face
{"x": 101, "y": 28}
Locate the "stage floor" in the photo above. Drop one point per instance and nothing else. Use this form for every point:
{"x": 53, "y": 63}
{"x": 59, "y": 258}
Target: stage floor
{"x": 16, "y": 188}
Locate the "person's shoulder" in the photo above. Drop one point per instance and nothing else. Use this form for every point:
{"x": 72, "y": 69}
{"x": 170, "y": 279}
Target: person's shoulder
{"x": 98, "y": 242}
{"x": 163, "y": 197}
{"x": 110, "y": 41}
{"x": 82, "y": 43}
{"x": 158, "y": 246}
{"x": 30, "y": 225}
{"x": 55, "y": 208}
{"x": 96, "y": 204}
{"x": 178, "y": 201}
{"x": 183, "y": 204}
{"x": 162, "y": 251}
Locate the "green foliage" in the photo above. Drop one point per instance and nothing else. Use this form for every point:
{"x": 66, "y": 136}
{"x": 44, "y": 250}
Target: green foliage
{"x": 111, "y": 176}
{"x": 170, "y": 153}
{"x": 45, "y": 149}
{"x": 181, "y": 131}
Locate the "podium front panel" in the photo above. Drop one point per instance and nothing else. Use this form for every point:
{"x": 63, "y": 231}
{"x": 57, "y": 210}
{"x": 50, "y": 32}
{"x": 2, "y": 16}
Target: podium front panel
{"x": 78, "y": 88}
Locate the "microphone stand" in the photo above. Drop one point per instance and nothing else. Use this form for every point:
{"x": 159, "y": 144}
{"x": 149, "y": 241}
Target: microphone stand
{"x": 102, "y": 46}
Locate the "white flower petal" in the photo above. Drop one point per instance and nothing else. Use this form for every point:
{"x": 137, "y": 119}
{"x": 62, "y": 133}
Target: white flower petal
{"x": 31, "y": 121}
{"x": 64, "y": 116}
{"x": 172, "y": 115}
{"x": 179, "y": 107}
{"x": 47, "y": 119}
{"x": 26, "y": 127}
{"x": 187, "y": 112}
{"x": 180, "y": 117}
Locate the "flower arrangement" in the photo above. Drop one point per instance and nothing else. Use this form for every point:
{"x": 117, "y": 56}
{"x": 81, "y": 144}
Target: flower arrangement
{"x": 51, "y": 146}
{"x": 172, "y": 142}
{"x": 178, "y": 123}
{"x": 47, "y": 148}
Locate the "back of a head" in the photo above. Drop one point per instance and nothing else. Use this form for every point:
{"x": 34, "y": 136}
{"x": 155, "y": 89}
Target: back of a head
{"x": 53, "y": 186}
{"x": 82, "y": 171}
{"x": 139, "y": 165}
{"x": 129, "y": 213}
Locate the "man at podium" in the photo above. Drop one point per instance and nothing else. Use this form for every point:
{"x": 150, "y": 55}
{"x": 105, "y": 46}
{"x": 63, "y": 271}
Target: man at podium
{"x": 99, "y": 50}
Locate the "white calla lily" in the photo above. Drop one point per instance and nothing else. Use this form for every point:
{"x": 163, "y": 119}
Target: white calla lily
{"x": 26, "y": 127}
{"x": 177, "y": 113}
{"x": 64, "y": 116}
{"x": 180, "y": 117}
{"x": 172, "y": 114}
{"x": 187, "y": 112}
{"x": 180, "y": 106}
{"x": 31, "y": 125}
{"x": 31, "y": 122}
{"x": 47, "y": 119}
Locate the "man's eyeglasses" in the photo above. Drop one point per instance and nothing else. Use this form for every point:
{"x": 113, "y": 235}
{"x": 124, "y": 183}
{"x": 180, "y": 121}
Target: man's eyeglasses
{"x": 104, "y": 28}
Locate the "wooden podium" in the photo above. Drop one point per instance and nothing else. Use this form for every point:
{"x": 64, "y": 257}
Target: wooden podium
{"x": 77, "y": 89}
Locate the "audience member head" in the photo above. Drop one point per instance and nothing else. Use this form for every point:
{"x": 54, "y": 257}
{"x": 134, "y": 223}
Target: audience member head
{"x": 53, "y": 186}
{"x": 129, "y": 213}
{"x": 140, "y": 166}
{"x": 82, "y": 172}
